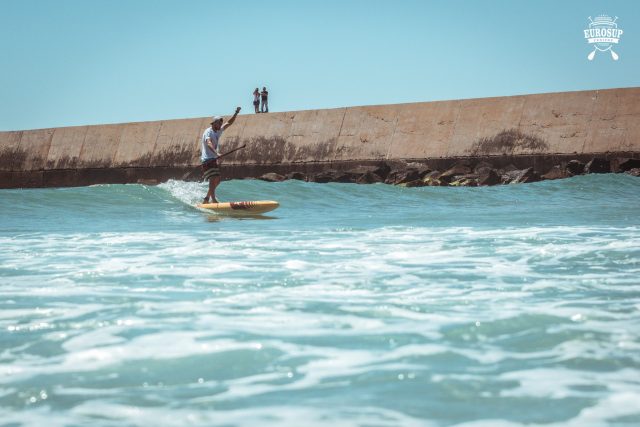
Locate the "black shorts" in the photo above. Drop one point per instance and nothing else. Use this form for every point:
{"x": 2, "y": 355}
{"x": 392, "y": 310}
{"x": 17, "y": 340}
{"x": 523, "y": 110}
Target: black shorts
{"x": 210, "y": 169}
{"x": 256, "y": 103}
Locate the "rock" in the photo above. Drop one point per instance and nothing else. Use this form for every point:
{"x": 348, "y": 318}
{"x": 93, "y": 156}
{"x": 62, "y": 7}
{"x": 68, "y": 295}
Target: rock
{"x": 407, "y": 173}
{"x": 420, "y": 167}
{"x": 520, "y": 176}
{"x": 323, "y": 177}
{"x": 423, "y": 170}
{"x": 414, "y": 183}
{"x": 556, "y": 172}
{"x": 482, "y": 168}
{"x": 272, "y": 177}
{"x": 361, "y": 170}
{"x": 432, "y": 182}
{"x": 624, "y": 165}
{"x": 361, "y": 174}
{"x": 296, "y": 175}
{"x": 489, "y": 177}
{"x": 575, "y": 167}
{"x": 507, "y": 169}
{"x": 408, "y": 176}
{"x": 461, "y": 168}
{"x": 465, "y": 181}
{"x": 527, "y": 175}
{"x": 382, "y": 170}
{"x": 598, "y": 165}
{"x": 331, "y": 176}
{"x": 402, "y": 176}
{"x": 344, "y": 178}
{"x": 508, "y": 177}
{"x": 634, "y": 172}
{"x": 423, "y": 175}
{"x": 369, "y": 178}
{"x": 431, "y": 179}
{"x": 391, "y": 176}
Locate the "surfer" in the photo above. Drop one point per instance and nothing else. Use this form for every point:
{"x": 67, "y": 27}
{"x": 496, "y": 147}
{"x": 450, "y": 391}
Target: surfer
{"x": 210, "y": 153}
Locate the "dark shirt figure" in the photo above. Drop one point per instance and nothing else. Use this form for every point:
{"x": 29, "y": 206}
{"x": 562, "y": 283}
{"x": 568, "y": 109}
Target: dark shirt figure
{"x": 256, "y": 100}
{"x": 264, "y": 108}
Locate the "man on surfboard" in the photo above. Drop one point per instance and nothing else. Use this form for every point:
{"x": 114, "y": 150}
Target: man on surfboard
{"x": 210, "y": 153}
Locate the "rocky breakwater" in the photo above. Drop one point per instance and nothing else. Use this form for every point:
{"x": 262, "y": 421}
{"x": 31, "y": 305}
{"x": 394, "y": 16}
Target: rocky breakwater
{"x": 464, "y": 173}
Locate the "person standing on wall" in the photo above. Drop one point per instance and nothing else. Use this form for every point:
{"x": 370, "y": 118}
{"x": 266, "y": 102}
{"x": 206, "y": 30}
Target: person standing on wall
{"x": 211, "y": 151}
{"x": 265, "y": 100}
{"x": 256, "y": 100}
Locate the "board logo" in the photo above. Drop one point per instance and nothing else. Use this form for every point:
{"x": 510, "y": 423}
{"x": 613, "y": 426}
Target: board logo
{"x": 603, "y": 33}
{"x": 241, "y": 205}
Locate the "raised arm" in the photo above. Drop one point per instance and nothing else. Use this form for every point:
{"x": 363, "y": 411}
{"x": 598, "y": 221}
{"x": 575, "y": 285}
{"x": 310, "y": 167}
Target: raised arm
{"x": 232, "y": 119}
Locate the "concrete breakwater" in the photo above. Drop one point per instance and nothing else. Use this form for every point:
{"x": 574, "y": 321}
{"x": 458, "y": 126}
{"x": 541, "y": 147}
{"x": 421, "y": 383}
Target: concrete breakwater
{"x": 538, "y": 131}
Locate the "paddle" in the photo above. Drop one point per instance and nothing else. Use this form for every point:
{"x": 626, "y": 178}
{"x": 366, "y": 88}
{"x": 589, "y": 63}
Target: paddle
{"x": 232, "y": 151}
{"x": 186, "y": 175}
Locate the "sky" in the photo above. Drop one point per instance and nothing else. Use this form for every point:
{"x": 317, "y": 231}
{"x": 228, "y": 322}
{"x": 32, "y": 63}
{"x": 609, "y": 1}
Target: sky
{"x": 75, "y": 62}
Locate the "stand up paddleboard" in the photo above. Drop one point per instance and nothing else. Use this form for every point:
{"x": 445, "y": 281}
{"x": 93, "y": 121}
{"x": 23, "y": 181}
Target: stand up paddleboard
{"x": 241, "y": 208}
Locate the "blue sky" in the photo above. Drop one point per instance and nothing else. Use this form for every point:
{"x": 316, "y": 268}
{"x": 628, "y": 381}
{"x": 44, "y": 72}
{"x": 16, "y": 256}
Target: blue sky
{"x": 72, "y": 62}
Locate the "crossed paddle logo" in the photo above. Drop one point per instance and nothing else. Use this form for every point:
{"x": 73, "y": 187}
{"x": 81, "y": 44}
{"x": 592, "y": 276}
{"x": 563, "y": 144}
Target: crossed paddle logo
{"x": 603, "y": 33}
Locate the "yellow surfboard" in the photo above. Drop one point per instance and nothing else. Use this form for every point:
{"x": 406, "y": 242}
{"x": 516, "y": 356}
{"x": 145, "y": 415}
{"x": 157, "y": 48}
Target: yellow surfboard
{"x": 241, "y": 208}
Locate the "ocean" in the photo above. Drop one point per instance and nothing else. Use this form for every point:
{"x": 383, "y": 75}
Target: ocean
{"x": 350, "y": 305}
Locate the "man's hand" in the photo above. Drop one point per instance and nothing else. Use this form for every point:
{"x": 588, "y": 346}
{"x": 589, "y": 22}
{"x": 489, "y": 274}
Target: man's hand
{"x": 232, "y": 119}
{"x": 210, "y": 144}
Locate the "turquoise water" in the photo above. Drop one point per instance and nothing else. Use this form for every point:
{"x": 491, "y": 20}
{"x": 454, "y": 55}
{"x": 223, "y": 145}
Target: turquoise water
{"x": 372, "y": 305}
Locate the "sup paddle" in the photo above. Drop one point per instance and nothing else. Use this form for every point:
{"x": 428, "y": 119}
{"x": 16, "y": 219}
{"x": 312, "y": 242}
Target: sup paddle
{"x": 186, "y": 175}
{"x": 232, "y": 151}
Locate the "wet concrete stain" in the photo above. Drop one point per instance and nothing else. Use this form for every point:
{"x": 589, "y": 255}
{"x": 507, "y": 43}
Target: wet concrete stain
{"x": 65, "y": 162}
{"x": 277, "y": 150}
{"x": 507, "y": 142}
{"x": 12, "y": 159}
{"x": 171, "y": 156}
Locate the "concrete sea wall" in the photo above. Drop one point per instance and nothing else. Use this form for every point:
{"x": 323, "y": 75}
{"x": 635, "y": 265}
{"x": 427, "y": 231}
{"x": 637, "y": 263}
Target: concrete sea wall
{"x": 527, "y": 130}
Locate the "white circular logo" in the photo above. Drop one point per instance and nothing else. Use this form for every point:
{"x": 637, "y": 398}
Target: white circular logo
{"x": 603, "y": 33}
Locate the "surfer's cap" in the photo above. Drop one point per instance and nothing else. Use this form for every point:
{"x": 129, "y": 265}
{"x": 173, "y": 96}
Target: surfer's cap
{"x": 216, "y": 119}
